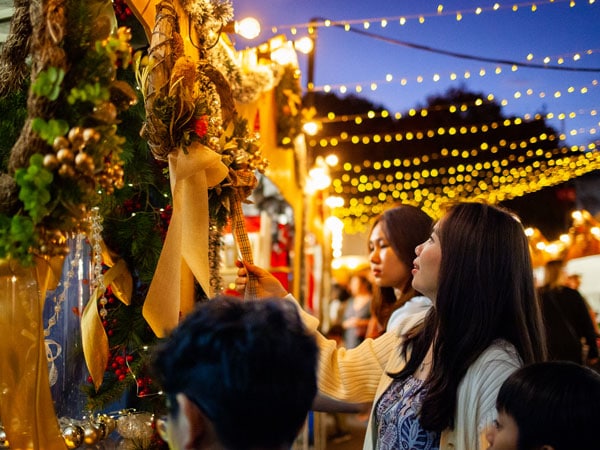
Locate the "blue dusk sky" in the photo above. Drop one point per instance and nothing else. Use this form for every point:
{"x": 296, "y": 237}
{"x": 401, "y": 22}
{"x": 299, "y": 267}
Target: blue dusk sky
{"x": 398, "y": 66}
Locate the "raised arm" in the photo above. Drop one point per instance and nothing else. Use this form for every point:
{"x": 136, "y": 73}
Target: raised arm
{"x": 268, "y": 285}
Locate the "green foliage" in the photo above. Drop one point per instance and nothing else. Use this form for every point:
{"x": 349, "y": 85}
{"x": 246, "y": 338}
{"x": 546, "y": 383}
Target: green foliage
{"x": 49, "y": 130}
{"x": 34, "y": 183}
{"x": 111, "y": 389}
{"x": 17, "y": 237}
{"x": 134, "y": 217}
{"x": 134, "y": 224}
{"x": 48, "y": 83}
{"x": 89, "y": 92}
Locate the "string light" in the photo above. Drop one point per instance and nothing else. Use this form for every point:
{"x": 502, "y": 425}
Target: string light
{"x": 430, "y": 187}
{"x": 436, "y": 77}
{"x": 361, "y": 139}
{"x": 358, "y": 119}
{"x": 371, "y": 187}
{"x": 422, "y": 17}
{"x": 517, "y": 95}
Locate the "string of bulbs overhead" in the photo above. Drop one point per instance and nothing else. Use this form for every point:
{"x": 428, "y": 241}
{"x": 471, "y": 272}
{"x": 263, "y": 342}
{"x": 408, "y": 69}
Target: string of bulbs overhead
{"x": 359, "y": 119}
{"x": 372, "y": 186}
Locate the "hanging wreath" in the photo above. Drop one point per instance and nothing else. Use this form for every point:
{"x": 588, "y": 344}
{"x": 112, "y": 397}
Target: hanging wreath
{"x": 192, "y": 123}
{"x": 68, "y": 152}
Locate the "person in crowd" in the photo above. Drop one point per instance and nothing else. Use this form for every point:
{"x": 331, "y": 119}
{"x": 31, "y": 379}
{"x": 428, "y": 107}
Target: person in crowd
{"x": 337, "y": 305}
{"x": 548, "y": 406}
{"x": 569, "y": 327}
{"x": 573, "y": 280}
{"x": 393, "y": 236}
{"x": 357, "y": 311}
{"x": 237, "y": 375}
{"x": 392, "y": 241}
{"x": 434, "y": 385}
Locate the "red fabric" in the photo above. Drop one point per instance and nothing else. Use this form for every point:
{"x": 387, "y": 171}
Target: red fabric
{"x": 252, "y": 225}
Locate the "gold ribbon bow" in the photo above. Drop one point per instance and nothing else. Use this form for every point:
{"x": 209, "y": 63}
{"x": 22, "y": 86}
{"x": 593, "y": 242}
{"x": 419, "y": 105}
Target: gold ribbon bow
{"x": 244, "y": 182}
{"x": 185, "y": 251}
{"x": 93, "y": 334}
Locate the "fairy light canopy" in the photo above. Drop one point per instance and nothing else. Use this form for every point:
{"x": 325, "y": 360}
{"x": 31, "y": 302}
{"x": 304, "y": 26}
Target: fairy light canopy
{"x": 403, "y": 151}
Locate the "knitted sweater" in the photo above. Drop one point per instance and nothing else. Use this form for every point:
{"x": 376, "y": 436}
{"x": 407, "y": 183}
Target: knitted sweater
{"x": 360, "y": 375}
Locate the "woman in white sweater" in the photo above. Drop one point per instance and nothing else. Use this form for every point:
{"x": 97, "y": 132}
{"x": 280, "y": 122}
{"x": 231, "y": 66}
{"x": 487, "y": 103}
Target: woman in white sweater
{"x": 434, "y": 381}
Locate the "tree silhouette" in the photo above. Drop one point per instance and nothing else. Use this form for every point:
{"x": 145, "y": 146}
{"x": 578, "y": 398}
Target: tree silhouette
{"x": 458, "y": 146}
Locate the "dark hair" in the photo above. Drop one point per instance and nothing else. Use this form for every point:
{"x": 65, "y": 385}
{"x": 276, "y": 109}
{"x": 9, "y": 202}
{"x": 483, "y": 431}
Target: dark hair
{"x": 340, "y": 292}
{"x": 552, "y": 273}
{"x": 485, "y": 292}
{"x": 250, "y": 366}
{"x": 364, "y": 281}
{"x": 405, "y": 227}
{"x": 553, "y": 403}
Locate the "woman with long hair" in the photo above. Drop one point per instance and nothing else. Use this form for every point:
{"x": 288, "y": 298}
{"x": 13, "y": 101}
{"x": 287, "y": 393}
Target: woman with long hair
{"x": 434, "y": 386}
{"x": 392, "y": 240}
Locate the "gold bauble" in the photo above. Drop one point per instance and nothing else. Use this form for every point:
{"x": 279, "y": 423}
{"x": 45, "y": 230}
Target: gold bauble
{"x": 91, "y": 135}
{"x": 73, "y": 436}
{"x": 105, "y": 112}
{"x": 61, "y": 142}
{"x": 84, "y": 162}
{"x": 91, "y": 434}
{"x": 66, "y": 171}
{"x": 50, "y": 161}
{"x": 64, "y": 155}
{"x": 76, "y": 137}
{"x": 109, "y": 423}
{"x": 3, "y": 439}
{"x": 102, "y": 430}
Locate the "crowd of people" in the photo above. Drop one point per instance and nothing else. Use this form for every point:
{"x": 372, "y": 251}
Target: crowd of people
{"x": 460, "y": 353}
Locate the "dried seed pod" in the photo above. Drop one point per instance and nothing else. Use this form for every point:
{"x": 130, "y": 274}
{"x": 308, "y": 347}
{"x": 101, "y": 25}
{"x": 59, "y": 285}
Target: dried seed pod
{"x": 66, "y": 171}
{"x": 60, "y": 142}
{"x": 84, "y": 162}
{"x": 65, "y": 155}
{"x": 76, "y": 137}
{"x": 50, "y": 161}
{"x": 91, "y": 135}
{"x": 105, "y": 112}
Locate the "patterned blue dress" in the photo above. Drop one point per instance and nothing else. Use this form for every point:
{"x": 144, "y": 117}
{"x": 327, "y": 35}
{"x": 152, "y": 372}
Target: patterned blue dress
{"x": 397, "y": 422}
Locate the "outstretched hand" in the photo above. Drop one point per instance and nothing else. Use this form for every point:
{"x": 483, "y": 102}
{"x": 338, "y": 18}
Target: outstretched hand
{"x": 267, "y": 285}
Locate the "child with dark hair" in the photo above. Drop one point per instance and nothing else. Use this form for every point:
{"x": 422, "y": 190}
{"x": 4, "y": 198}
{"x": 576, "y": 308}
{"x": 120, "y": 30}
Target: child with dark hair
{"x": 548, "y": 406}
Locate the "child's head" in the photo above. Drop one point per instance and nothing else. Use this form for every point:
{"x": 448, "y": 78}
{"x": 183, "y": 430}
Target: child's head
{"x": 550, "y": 406}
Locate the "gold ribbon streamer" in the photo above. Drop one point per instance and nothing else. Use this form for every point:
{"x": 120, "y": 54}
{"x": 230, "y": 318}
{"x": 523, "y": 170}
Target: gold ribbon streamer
{"x": 93, "y": 334}
{"x": 185, "y": 251}
{"x": 244, "y": 183}
{"x": 26, "y": 404}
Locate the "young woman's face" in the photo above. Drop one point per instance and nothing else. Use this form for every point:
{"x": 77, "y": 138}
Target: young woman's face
{"x": 504, "y": 435}
{"x": 426, "y": 265}
{"x": 386, "y": 267}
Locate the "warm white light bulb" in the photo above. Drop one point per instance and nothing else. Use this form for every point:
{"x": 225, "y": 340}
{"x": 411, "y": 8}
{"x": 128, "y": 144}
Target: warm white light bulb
{"x": 248, "y": 28}
{"x": 304, "y": 45}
